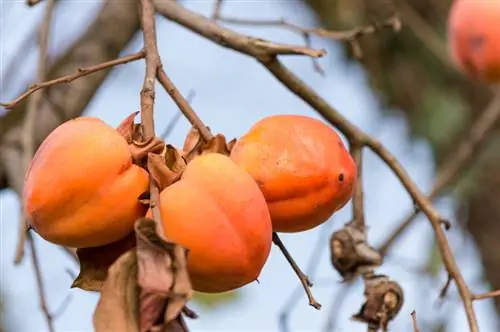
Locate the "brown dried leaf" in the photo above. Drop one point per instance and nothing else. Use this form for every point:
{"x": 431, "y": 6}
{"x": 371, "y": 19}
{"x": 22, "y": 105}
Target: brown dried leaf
{"x": 127, "y": 126}
{"x": 383, "y": 301}
{"x": 192, "y": 139}
{"x": 231, "y": 144}
{"x": 162, "y": 276}
{"x": 173, "y": 159}
{"x": 160, "y": 173}
{"x": 95, "y": 262}
{"x": 118, "y": 307}
{"x": 350, "y": 254}
{"x": 141, "y": 149}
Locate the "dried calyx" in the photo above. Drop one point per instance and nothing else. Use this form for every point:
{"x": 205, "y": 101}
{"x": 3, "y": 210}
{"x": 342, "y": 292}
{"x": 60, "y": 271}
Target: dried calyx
{"x": 139, "y": 147}
{"x": 195, "y": 145}
{"x": 350, "y": 254}
{"x": 383, "y": 301}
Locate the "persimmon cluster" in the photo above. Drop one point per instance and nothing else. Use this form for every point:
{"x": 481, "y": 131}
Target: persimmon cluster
{"x": 88, "y": 184}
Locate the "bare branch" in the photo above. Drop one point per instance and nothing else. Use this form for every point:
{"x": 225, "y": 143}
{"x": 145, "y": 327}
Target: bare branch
{"x": 414, "y": 319}
{"x": 71, "y": 77}
{"x": 39, "y": 281}
{"x": 171, "y": 124}
{"x": 487, "y": 295}
{"x": 306, "y": 283}
{"x": 459, "y": 161}
{"x": 357, "y": 200}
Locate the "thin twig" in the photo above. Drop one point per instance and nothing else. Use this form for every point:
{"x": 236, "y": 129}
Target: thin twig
{"x": 357, "y": 200}
{"x": 268, "y": 58}
{"x": 148, "y": 96}
{"x": 350, "y": 36}
{"x": 39, "y": 281}
{"x": 183, "y": 105}
{"x": 414, "y": 319}
{"x": 173, "y": 122}
{"x": 460, "y": 159}
{"x": 311, "y": 268}
{"x": 487, "y": 295}
{"x": 71, "y": 77}
{"x": 306, "y": 283}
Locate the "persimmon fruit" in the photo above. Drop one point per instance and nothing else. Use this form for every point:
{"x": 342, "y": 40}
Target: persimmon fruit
{"x": 218, "y": 213}
{"x": 82, "y": 188}
{"x": 302, "y": 167}
{"x": 474, "y": 38}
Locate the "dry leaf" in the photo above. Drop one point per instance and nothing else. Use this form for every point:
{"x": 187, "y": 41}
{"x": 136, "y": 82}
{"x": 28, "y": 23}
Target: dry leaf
{"x": 141, "y": 149}
{"x": 162, "y": 276}
{"x": 117, "y": 309}
{"x": 173, "y": 159}
{"x": 191, "y": 141}
{"x": 160, "y": 173}
{"x": 95, "y": 262}
{"x": 126, "y": 127}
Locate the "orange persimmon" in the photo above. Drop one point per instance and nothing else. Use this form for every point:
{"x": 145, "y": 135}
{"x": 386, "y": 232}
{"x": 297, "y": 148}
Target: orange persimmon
{"x": 474, "y": 38}
{"x": 217, "y": 211}
{"x": 82, "y": 189}
{"x": 302, "y": 168}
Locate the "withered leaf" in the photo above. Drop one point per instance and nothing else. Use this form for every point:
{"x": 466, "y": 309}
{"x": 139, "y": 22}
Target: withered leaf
{"x": 231, "y": 144}
{"x": 118, "y": 307}
{"x": 192, "y": 140}
{"x": 95, "y": 262}
{"x": 162, "y": 276}
{"x": 126, "y": 127}
{"x": 173, "y": 159}
{"x": 141, "y": 149}
{"x": 160, "y": 173}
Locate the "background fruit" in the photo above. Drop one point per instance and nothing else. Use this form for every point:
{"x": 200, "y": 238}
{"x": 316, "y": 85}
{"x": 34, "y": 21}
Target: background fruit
{"x": 474, "y": 38}
{"x": 218, "y": 212}
{"x": 81, "y": 189}
{"x": 301, "y": 166}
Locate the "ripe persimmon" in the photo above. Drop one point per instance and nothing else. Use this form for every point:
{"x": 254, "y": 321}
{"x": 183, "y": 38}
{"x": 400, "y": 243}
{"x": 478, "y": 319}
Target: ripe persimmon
{"x": 82, "y": 189}
{"x": 474, "y": 38}
{"x": 218, "y": 213}
{"x": 302, "y": 168}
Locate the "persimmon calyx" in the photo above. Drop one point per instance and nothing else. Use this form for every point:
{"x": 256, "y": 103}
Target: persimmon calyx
{"x": 194, "y": 145}
{"x": 130, "y": 130}
{"x": 350, "y": 254}
{"x": 165, "y": 170}
{"x": 141, "y": 149}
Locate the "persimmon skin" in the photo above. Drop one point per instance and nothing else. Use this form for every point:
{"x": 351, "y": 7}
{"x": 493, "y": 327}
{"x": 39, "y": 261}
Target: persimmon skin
{"x": 217, "y": 211}
{"x": 474, "y": 38}
{"x": 82, "y": 189}
{"x": 302, "y": 168}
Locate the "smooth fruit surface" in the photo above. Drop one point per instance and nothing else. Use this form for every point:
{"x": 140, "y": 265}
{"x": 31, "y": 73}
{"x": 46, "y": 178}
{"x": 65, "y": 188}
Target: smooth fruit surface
{"x": 474, "y": 38}
{"x": 301, "y": 166}
{"x": 81, "y": 188}
{"x": 217, "y": 211}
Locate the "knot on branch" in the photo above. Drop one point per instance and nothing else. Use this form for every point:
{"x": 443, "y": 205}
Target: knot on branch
{"x": 383, "y": 301}
{"x": 350, "y": 254}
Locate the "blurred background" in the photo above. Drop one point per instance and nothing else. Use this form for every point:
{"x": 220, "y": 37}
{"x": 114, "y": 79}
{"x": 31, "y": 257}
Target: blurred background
{"x": 404, "y": 91}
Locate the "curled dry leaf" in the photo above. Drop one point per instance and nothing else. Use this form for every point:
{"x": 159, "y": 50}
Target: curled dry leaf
{"x": 141, "y": 149}
{"x": 95, "y": 262}
{"x": 162, "y": 174}
{"x": 383, "y": 301}
{"x": 162, "y": 276}
{"x": 350, "y": 254}
{"x": 127, "y": 127}
{"x": 118, "y": 307}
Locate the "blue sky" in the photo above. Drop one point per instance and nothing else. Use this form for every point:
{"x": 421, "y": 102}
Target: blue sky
{"x": 232, "y": 92}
